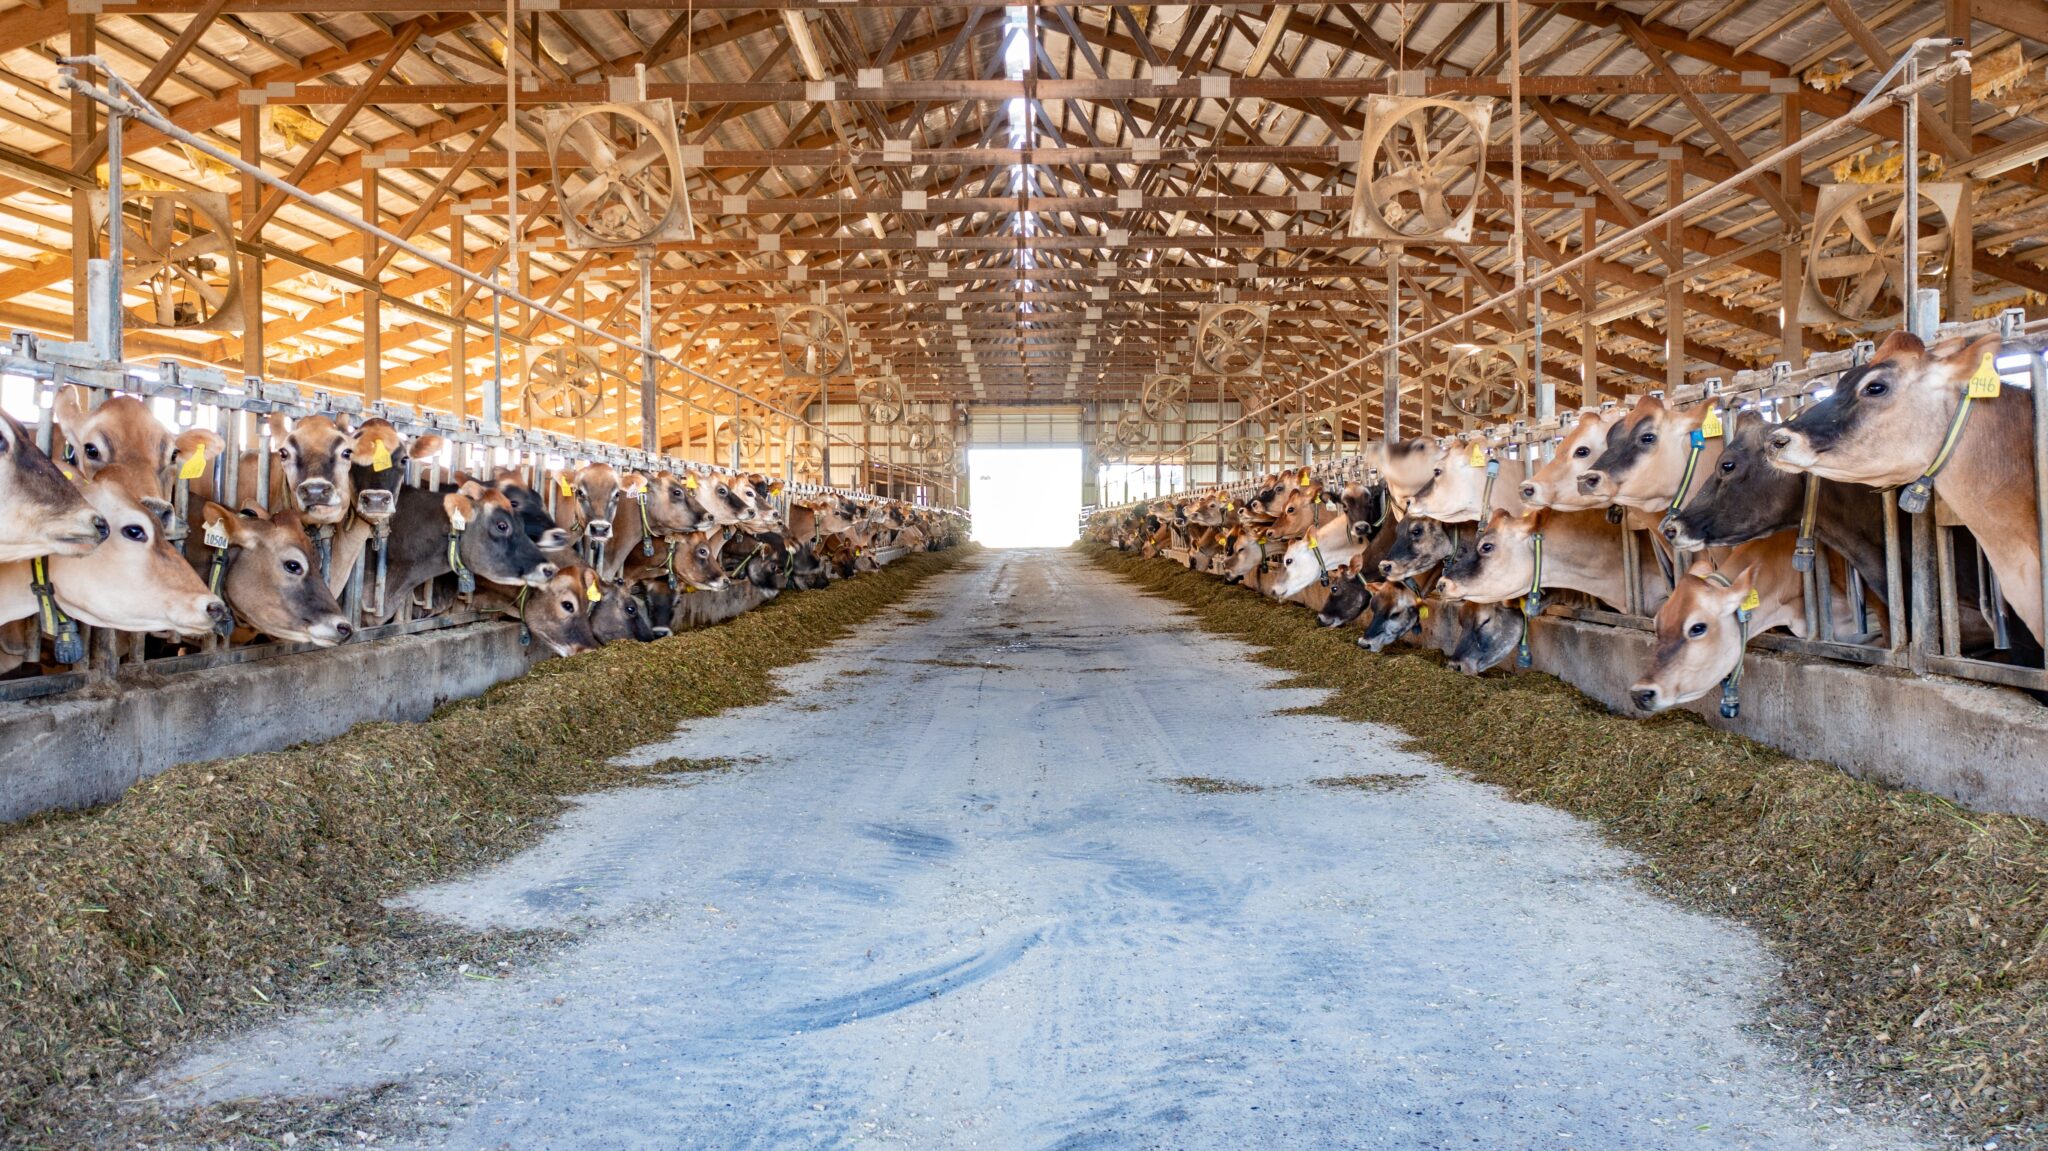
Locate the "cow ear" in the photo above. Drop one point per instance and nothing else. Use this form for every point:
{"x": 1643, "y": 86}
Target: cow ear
{"x": 634, "y": 485}
{"x": 344, "y": 423}
{"x": 1701, "y": 568}
{"x": 194, "y": 449}
{"x": 288, "y": 518}
{"x": 278, "y": 430}
{"x": 1962, "y": 358}
{"x": 474, "y": 490}
{"x": 460, "y": 509}
{"x": 1898, "y": 345}
{"x": 425, "y": 447}
{"x": 216, "y": 521}
{"x": 70, "y": 408}
{"x": 1744, "y": 581}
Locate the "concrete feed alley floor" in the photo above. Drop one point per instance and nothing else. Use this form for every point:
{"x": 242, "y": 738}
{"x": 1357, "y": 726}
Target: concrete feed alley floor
{"x": 949, "y": 898}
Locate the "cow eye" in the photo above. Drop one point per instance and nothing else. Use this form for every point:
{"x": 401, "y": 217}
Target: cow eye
{"x": 1696, "y": 631}
{"x": 569, "y": 606}
{"x": 284, "y": 452}
{"x": 1581, "y": 452}
{"x": 1437, "y": 472}
{"x": 348, "y": 453}
{"x": 703, "y": 553}
{"x": 675, "y": 493}
{"x": 1647, "y": 439}
{"x": 1727, "y": 465}
{"x": 294, "y": 567}
{"x": 631, "y": 610}
{"x": 1486, "y": 549}
{"x": 723, "y": 490}
{"x": 1874, "y": 388}
{"x": 501, "y": 526}
{"x": 135, "y": 532}
{"x": 92, "y": 451}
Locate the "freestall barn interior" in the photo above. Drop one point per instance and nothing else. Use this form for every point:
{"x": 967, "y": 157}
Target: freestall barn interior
{"x": 1543, "y": 647}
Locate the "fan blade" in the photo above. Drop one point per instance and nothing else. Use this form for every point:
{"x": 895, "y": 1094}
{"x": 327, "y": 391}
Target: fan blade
{"x": 1852, "y": 217}
{"x": 1835, "y": 267}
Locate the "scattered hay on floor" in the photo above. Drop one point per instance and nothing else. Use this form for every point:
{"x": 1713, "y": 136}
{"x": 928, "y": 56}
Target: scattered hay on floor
{"x": 220, "y": 894}
{"x": 1372, "y": 782}
{"x": 1913, "y": 934}
{"x": 677, "y": 765}
{"x": 920, "y": 613}
{"x": 1209, "y": 785}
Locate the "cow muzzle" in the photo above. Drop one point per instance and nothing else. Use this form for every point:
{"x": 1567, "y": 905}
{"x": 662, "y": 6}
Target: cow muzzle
{"x": 1589, "y": 482}
{"x": 1645, "y": 697}
{"x": 598, "y": 530}
{"x": 314, "y": 493}
{"x": 553, "y": 539}
{"x": 375, "y": 504}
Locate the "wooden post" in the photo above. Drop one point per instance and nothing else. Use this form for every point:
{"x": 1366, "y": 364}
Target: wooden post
{"x": 1962, "y": 265}
{"x": 1792, "y": 261}
{"x": 373, "y": 303}
{"x": 1674, "y": 284}
{"x": 1589, "y": 336}
{"x": 83, "y": 240}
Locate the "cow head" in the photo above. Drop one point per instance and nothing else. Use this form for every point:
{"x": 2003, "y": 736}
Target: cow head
{"x": 726, "y": 499}
{"x": 318, "y": 454}
{"x": 557, "y": 610}
{"x": 1699, "y": 639}
{"x": 491, "y": 537}
{"x": 598, "y": 490}
{"x": 621, "y": 614}
{"x": 531, "y": 510}
{"x": 379, "y": 455}
{"x": 272, "y": 579}
{"x": 41, "y": 511}
{"x": 1555, "y": 485}
{"x": 699, "y": 560}
{"x": 1740, "y": 498}
{"x": 124, "y": 433}
{"x": 1419, "y": 545}
{"x": 1348, "y": 598}
{"x": 1392, "y": 610}
{"x": 1409, "y": 465}
{"x": 1886, "y": 420}
{"x": 1366, "y": 507}
{"x": 1500, "y": 564}
{"x": 673, "y": 507}
{"x": 1487, "y": 634}
{"x": 1456, "y": 490}
{"x": 1647, "y": 453}
{"x": 135, "y": 581}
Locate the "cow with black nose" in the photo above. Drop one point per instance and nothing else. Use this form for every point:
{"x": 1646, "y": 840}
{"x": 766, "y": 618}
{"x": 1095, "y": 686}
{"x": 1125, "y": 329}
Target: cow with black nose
{"x": 471, "y": 532}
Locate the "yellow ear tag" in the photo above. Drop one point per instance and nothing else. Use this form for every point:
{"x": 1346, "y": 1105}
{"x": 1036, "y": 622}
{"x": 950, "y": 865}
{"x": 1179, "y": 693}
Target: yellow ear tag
{"x": 1423, "y": 609}
{"x": 195, "y": 467}
{"x": 1752, "y": 601}
{"x": 1478, "y": 455}
{"x": 1984, "y": 381}
{"x": 1304, "y": 477}
{"x": 380, "y": 459}
{"x": 774, "y": 489}
{"x": 568, "y": 489}
{"x": 1710, "y": 428}
{"x": 690, "y": 482}
{"x": 593, "y": 593}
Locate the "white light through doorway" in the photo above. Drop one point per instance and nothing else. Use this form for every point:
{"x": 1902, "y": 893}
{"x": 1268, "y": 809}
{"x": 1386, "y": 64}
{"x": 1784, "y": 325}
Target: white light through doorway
{"x": 1024, "y": 497}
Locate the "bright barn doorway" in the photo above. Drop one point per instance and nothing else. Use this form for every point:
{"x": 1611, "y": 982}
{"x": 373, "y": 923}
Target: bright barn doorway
{"x": 1025, "y": 497}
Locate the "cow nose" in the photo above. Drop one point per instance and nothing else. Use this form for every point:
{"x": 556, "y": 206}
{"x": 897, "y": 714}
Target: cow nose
{"x": 344, "y": 631}
{"x": 99, "y": 524}
{"x": 1780, "y": 439}
{"x": 600, "y": 529}
{"x": 1387, "y": 568}
{"x": 546, "y": 572}
{"x": 313, "y": 493}
{"x": 216, "y": 610}
{"x": 1644, "y": 697}
{"x": 1528, "y": 492}
{"x": 1590, "y": 481}
{"x": 1670, "y": 530}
